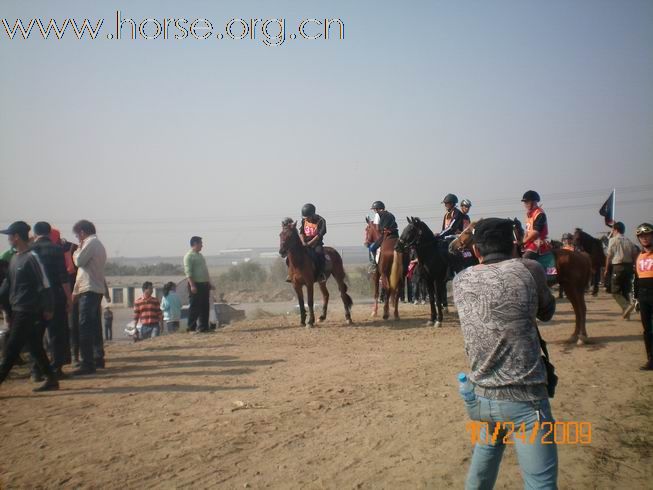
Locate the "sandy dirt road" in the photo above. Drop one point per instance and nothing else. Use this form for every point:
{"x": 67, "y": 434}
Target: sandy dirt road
{"x": 266, "y": 404}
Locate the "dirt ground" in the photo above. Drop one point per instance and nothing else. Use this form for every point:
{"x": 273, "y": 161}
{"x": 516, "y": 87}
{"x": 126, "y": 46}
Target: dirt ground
{"x": 265, "y": 403}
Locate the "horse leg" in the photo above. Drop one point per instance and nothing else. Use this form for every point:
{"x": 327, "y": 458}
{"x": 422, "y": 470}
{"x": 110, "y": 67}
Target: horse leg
{"x": 300, "y": 299}
{"x": 395, "y": 299}
{"x": 325, "y": 301}
{"x": 309, "y": 298}
{"x": 596, "y": 280}
{"x": 386, "y": 304}
{"x": 430, "y": 287}
{"x": 441, "y": 292}
{"x": 576, "y": 299}
{"x": 375, "y": 278}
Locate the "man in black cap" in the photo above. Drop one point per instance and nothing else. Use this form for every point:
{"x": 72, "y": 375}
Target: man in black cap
{"x": 54, "y": 263}
{"x": 498, "y": 302}
{"x": 27, "y": 299}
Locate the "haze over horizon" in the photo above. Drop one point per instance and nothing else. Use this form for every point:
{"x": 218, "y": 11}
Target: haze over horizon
{"x": 159, "y": 140}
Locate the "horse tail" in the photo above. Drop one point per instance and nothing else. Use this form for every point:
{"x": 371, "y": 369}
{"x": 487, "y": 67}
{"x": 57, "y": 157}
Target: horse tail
{"x": 345, "y": 297}
{"x": 396, "y": 273}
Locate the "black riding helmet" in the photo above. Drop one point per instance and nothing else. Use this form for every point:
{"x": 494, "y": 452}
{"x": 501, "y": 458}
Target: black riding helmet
{"x": 530, "y": 196}
{"x": 308, "y": 210}
{"x": 378, "y": 205}
{"x": 452, "y": 198}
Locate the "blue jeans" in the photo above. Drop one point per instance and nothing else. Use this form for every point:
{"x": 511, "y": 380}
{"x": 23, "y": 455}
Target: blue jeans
{"x": 538, "y": 462}
{"x": 148, "y": 331}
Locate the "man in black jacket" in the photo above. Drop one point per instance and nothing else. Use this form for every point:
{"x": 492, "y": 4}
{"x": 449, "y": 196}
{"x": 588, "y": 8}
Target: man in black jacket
{"x": 27, "y": 298}
{"x": 52, "y": 257}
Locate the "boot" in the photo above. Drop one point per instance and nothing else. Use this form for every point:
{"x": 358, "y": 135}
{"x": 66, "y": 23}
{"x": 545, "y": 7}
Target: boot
{"x": 51, "y": 384}
{"x": 648, "y": 340}
{"x": 621, "y": 301}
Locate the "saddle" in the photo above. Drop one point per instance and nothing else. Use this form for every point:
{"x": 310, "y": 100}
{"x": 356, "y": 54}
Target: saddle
{"x": 548, "y": 262}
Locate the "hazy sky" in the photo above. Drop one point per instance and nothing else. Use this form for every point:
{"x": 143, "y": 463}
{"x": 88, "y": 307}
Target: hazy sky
{"x": 158, "y": 140}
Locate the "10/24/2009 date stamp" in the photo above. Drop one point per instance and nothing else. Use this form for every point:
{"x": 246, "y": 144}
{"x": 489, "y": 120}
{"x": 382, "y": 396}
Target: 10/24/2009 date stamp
{"x": 541, "y": 432}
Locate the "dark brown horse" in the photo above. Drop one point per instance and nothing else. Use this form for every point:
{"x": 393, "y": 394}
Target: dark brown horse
{"x": 384, "y": 270}
{"x": 301, "y": 269}
{"x": 574, "y": 269}
{"x": 433, "y": 261}
{"x": 594, "y": 248}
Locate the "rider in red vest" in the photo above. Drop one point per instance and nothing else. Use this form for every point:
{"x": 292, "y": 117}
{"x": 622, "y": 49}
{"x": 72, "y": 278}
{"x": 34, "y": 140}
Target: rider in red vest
{"x": 312, "y": 231}
{"x": 535, "y": 241}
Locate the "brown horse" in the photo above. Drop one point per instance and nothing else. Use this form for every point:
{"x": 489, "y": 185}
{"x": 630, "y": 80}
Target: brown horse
{"x": 301, "y": 269}
{"x": 574, "y": 270}
{"x": 384, "y": 270}
{"x": 594, "y": 248}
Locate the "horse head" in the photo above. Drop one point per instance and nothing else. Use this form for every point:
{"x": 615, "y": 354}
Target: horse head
{"x": 464, "y": 240}
{"x": 371, "y": 232}
{"x": 413, "y": 235}
{"x": 288, "y": 236}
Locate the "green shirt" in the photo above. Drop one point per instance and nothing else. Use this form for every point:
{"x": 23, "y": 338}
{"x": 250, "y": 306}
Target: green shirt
{"x": 195, "y": 267}
{"x": 7, "y": 255}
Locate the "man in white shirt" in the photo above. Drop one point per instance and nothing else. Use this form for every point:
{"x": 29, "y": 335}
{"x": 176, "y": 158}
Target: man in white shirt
{"x": 90, "y": 286}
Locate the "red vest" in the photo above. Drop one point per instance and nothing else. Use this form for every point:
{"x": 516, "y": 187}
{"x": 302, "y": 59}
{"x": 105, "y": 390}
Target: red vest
{"x": 310, "y": 229}
{"x": 540, "y": 244}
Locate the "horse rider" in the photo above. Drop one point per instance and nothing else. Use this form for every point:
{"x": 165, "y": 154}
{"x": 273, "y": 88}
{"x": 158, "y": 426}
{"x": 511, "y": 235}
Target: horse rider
{"x": 386, "y": 224}
{"x": 312, "y": 231}
{"x": 535, "y": 241}
{"x": 452, "y": 223}
{"x": 465, "y": 206}
{"x": 644, "y": 288}
{"x": 568, "y": 242}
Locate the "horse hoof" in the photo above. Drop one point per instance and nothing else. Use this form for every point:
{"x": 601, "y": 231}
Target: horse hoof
{"x": 321, "y": 319}
{"x": 429, "y": 323}
{"x": 571, "y": 339}
{"x": 582, "y": 340}
{"x": 438, "y": 324}
{"x": 446, "y": 309}
{"x": 385, "y": 317}
{"x": 349, "y": 322}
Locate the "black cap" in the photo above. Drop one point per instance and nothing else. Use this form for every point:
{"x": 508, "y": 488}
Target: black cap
{"x": 493, "y": 229}
{"x": 17, "y": 227}
{"x": 42, "y": 228}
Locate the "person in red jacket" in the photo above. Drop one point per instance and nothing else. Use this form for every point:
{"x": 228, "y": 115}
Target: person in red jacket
{"x": 535, "y": 241}
{"x": 644, "y": 288}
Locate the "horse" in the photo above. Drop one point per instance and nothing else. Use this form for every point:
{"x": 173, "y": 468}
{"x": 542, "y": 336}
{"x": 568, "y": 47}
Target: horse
{"x": 594, "y": 248}
{"x": 433, "y": 262}
{"x": 301, "y": 269}
{"x": 389, "y": 264}
{"x": 573, "y": 268}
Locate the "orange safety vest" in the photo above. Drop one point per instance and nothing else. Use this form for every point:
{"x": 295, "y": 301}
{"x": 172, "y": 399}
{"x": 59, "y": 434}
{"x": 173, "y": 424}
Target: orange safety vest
{"x": 310, "y": 229}
{"x": 540, "y": 244}
{"x": 645, "y": 265}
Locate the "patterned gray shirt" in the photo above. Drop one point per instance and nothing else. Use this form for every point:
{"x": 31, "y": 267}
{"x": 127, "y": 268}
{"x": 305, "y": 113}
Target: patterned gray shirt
{"x": 498, "y": 303}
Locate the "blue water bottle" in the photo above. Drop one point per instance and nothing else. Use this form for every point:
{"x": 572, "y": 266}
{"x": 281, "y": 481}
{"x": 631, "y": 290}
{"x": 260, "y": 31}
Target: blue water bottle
{"x": 466, "y": 390}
